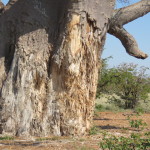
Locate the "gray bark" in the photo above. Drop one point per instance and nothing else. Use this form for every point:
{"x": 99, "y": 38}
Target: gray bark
{"x": 49, "y": 54}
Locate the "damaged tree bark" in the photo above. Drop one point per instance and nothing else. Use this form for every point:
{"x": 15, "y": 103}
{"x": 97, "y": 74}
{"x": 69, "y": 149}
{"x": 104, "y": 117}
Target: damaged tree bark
{"x": 49, "y": 60}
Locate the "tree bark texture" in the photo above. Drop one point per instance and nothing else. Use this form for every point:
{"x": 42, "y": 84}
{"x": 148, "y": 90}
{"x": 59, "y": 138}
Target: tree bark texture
{"x": 49, "y": 56}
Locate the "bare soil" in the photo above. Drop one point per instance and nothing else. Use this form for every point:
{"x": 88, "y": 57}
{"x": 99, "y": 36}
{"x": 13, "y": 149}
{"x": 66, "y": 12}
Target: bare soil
{"x": 113, "y": 123}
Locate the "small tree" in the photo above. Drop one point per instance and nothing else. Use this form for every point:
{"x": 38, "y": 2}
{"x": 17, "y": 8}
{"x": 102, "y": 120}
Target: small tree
{"x": 133, "y": 84}
{"x": 105, "y": 79}
{"x": 128, "y": 82}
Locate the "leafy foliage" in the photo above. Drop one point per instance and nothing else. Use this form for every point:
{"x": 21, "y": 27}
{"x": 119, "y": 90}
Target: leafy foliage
{"x": 134, "y": 142}
{"x": 127, "y": 81}
{"x": 137, "y": 123}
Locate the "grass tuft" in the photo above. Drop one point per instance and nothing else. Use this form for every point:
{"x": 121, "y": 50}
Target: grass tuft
{"x": 6, "y": 138}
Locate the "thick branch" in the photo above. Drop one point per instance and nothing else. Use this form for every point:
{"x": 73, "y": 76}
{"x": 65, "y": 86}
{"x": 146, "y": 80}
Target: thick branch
{"x": 123, "y": 16}
{"x": 128, "y": 42}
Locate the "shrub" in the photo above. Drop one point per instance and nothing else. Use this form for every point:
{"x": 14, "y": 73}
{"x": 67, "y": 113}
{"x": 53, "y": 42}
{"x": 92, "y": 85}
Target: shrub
{"x": 134, "y": 142}
{"x": 94, "y": 130}
{"x": 127, "y": 81}
{"x": 99, "y": 107}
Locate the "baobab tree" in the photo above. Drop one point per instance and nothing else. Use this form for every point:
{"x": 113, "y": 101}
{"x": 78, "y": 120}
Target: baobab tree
{"x": 49, "y": 60}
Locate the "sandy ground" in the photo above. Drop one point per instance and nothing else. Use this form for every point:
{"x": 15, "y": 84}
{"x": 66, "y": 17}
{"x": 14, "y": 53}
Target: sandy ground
{"x": 113, "y": 123}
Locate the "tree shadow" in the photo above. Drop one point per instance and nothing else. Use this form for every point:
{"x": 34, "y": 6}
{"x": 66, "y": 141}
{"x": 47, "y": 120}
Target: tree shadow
{"x": 19, "y": 143}
{"x": 108, "y": 127}
{"x": 101, "y": 119}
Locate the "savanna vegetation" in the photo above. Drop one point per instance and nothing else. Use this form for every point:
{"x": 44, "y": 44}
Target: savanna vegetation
{"x": 128, "y": 85}
{"x": 125, "y": 88}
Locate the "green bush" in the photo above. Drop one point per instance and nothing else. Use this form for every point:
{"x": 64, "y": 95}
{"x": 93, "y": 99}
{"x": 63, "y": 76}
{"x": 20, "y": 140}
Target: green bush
{"x": 137, "y": 123}
{"x": 102, "y": 108}
{"x": 99, "y": 107}
{"x": 94, "y": 130}
{"x": 134, "y": 142}
{"x": 127, "y": 81}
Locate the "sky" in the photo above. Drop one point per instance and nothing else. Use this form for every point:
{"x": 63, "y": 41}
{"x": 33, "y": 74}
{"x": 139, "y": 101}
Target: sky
{"x": 140, "y": 29}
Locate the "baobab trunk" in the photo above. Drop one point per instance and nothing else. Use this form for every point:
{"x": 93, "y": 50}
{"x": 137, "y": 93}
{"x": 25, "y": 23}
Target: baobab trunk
{"x": 49, "y": 56}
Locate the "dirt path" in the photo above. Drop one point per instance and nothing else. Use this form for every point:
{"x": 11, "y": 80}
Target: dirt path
{"x": 118, "y": 122}
{"x": 114, "y": 123}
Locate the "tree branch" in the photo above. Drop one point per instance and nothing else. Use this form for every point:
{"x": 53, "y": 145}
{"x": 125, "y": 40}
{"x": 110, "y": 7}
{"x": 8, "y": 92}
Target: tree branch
{"x": 128, "y": 42}
{"x": 127, "y": 14}
{"x": 123, "y": 16}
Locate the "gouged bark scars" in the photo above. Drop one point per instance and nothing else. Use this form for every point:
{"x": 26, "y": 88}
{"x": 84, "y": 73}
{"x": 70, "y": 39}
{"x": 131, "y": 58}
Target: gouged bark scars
{"x": 51, "y": 75}
{"x": 75, "y": 42}
{"x": 76, "y": 100}
{"x": 74, "y": 34}
{"x": 123, "y": 16}
{"x": 81, "y": 46}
